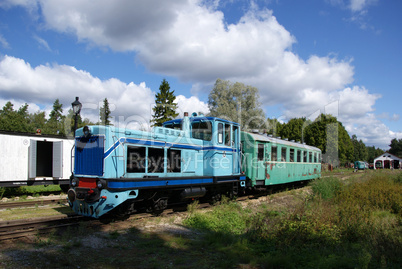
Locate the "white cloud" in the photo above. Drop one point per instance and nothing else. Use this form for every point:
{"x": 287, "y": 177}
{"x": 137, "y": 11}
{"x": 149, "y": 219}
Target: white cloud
{"x": 190, "y": 105}
{"x": 190, "y": 40}
{"x": 46, "y": 83}
{"x": 372, "y": 131}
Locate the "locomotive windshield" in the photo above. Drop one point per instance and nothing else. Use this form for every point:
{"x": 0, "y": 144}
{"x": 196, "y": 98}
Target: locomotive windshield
{"x": 201, "y": 130}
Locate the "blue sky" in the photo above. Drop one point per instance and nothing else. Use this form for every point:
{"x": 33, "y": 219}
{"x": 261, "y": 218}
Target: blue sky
{"x": 336, "y": 56}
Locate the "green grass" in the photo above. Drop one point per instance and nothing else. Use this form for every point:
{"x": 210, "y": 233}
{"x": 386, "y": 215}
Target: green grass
{"x": 348, "y": 223}
{"x": 28, "y": 190}
{"x": 352, "y": 225}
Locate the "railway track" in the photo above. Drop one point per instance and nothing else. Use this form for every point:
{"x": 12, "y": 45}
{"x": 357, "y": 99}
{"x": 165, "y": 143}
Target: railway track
{"x": 14, "y": 229}
{"x": 7, "y": 205}
{"x": 29, "y": 227}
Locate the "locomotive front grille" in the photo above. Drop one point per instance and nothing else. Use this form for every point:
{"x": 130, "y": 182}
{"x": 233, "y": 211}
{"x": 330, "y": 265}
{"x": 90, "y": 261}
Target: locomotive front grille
{"x": 89, "y": 152}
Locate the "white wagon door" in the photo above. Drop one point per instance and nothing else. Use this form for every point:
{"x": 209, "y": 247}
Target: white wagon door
{"x": 32, "y": 159}
{"x": 57, "y": 159}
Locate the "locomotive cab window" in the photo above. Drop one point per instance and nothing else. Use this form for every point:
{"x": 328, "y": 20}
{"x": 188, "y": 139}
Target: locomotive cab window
{"x": 136, "y": 157}
{"x": 174, "y": 161}
{"x": 228, "y": 134}
{"x": 201, "y": 130}
{"x": 155, "y": 160}
{"x": 220, "y": 133}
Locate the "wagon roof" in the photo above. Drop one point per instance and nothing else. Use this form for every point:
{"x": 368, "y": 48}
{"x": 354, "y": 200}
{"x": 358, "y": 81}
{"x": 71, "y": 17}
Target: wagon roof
{"x": 275, "y": 140}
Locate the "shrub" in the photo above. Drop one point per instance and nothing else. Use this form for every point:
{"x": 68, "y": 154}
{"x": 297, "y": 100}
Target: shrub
{"x": 226, "y": 218}
{"x": 326, "y": 188}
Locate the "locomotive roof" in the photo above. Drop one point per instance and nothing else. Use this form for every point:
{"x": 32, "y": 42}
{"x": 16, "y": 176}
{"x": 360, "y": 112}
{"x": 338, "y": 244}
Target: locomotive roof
{"x": 176, "y": 121}
{"x": 265, "y": 138}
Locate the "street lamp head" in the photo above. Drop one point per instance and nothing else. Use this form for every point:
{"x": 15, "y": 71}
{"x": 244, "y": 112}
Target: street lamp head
{"x": 76, "y": 106}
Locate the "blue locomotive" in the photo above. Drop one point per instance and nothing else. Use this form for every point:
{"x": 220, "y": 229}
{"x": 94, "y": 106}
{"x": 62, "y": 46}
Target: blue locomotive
{"x": 196, "y": 157}
{"x": 123, "y": 170}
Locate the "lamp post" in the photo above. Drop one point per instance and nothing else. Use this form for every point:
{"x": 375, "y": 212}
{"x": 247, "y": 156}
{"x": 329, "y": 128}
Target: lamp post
{"x": 76, "y": 110}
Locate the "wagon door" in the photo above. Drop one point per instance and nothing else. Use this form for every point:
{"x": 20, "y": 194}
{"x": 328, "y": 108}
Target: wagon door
{"x": 236, "y": 150}
{"x": 57, "y": 159}
{"x": 260, "y": 161}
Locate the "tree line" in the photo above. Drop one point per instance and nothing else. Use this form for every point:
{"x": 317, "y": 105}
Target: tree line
{"x": 236, "y": 102}
{"x": 20, "y": 120}
{"x": 240, "y": 103}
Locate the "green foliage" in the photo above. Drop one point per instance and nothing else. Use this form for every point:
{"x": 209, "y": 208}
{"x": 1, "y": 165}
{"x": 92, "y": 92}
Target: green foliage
{"x": 237, "y": 102}
{"x": 165, "y": 107}
{"x": 326, "y": 188}
{"x": 345, "y": 224}
{"x": 329, "y": 135}
{"x": 360, "y": 152}
{"x": 227, "y": 217}
{"x": 293, "y": 129}
{"x": 373, "y": 153}
{"x": 22, "y": 121}
{"x": 104, "y": 113}
{"x": 55, "y": 123}
{"x": 396, "y": 147}
{"x": 28, "y": 190}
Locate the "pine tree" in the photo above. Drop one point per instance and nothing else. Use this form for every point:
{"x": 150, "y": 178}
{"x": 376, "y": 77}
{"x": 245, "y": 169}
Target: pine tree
{"x": 104, "y": 113}
{"x": 165, "y": 107}
{"x": 55, "y": 123}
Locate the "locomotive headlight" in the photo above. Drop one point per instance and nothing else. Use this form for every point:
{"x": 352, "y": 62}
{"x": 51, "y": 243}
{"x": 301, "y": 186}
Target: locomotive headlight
{"x": 75, "y": 182}
{"x": 100, "y": 184}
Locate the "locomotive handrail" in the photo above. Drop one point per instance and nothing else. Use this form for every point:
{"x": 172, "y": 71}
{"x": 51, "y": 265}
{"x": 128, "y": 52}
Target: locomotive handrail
{"x": 124, "y": 155}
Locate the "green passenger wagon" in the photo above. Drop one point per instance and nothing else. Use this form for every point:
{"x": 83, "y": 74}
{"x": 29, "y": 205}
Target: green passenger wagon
{"x": 268, "y": 161}
{"x": 359, "y": 165}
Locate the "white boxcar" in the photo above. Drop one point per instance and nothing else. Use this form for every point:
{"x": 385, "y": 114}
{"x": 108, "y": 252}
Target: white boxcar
{"x": 29, "y": 159}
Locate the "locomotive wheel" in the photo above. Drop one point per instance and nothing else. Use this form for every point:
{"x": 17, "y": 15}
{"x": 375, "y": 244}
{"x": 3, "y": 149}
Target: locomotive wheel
{"x": 215, "y": 198}
{"x": 124, "y": 210}
{"x": 157, "y": 207}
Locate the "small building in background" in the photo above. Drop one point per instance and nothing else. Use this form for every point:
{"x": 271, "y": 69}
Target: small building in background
{"x": 387, "y": 161}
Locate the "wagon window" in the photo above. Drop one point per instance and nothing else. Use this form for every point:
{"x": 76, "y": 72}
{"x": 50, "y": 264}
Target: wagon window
{"x": 292, "y": 155}
{"x": 310, "y": 157}
{"x": 274, "y": 153}
{"x": 283, "y": 155}
{"x": 315, "y": 157}
{"x": 260, "y": 152}
{"x": 298, "y": 156}
{"x": 304, "y": 156}
{"x": 136, "y": 157}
